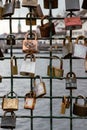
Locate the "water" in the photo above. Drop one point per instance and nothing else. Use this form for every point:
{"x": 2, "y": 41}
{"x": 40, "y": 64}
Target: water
{"x": 42, "y": 108}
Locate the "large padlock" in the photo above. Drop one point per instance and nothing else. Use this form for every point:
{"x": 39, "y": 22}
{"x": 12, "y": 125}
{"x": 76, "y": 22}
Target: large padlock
{"x": 38, "y": 11}
{"x": 1, "y": 9}
{"x": 80, "y": 109}
{"x": 8, "y": 121}
{"x": 72, "y": 5}
{"x": 14, "y": 67}
{"x": 30, "y": 19}
{"x": 30, "y": 45}
{"x": 10, "y": 39}
{"x": 28, "y": 66}
{"x": 50, "y": 4}
{"x": 46, "y": 28}
{"x": 17, "y": 4}
{"x": 10, "y": 104}
{"x": 71, "y": 81}
{"x": 84, "y": 4}
{"x": 39, "y": 88}
{"x": 67, "y": 47}
{"x": 80, "y": 48}
{"x": 29, "y": 3}
{"x": 56, "y": 71}
{"x": 30, "y": 100}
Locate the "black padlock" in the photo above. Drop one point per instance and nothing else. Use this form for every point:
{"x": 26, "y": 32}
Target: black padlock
{"x": 11, "y": 39}
{"x": 84, "y": 4}
{"x": 71, "y": 81}
{"x": 80, "y": 109}
{"x": 8, "y": 122}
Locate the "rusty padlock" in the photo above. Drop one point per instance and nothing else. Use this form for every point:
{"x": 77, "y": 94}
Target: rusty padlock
{"x": 30, "y": 100}
{"x": 80, "y": 109}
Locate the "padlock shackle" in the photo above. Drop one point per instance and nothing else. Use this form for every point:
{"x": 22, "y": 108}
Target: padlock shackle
{"x": 80, "y": 37}
{"x": 37, "y": 76}
{"x": 43, "y": 18}
{"x": 10, "y": 36}
{"x": 31, "y": 56}
{"x": 81, "y": 97}
{"x": 31, "y": 94}
{"x": 12, "y": 113}
{"x": 61, "y": 61}
{"x": 30, "y": 13}
{"x": 6, "y": 96}
{"x": 70, "y": 73}
{"x": 69, "y": 14}
{"x": 28, "y": 33}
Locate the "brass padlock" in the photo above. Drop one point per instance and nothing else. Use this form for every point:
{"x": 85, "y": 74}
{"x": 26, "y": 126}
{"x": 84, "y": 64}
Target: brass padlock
{"x": 17, "y": 4}
{"x": 10, "y": 39}
{"x": 30, "y": 19}
{"x": 71, "y": 81}
{"x": 39, "y": 88}
{"x": 30, "y": 100}
{"x": 63, "y": 106}
{"x": 14, "y": 67}
{"x": 80, "y": 109}
{"x": 56, "y": 71}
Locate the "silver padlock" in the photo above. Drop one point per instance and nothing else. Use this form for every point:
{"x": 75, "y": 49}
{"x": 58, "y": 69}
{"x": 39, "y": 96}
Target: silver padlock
{"x": 28, "y": 65}
{"x": 39, "y": 88}
{"x": 71, "y": 81}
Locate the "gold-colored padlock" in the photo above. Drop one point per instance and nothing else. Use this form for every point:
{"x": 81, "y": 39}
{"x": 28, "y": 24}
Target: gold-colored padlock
{"x": 14, "y": 67}
{"x": 30, "y": 19}
{"x": 63, "y": 105}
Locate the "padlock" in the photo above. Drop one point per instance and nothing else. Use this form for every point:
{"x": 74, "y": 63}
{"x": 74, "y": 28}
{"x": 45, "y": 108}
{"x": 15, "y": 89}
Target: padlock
{"x": 67, "y": 47}
{"x": 72, "y": 5}
{"x": 56, "y": 71}
{"x": 30, "y": 100}
{"x": 38, "y": 11}
{"x": 28, "y": 66}
{"x": 29, "y": 3}
{"x": 8, "y": 121}
{"x": 14, "y": 67}
{"x": 46, "y": 28}
{"x": 84, "y": 4}
{"x": 30, "y": 45}
{"x": 71, "y": 81}
{"x": 80, "y": 109}
{"x": 10, "y": 104}
{"x": 10, "y": 39}
{"x": 67, "y": 102}
{"x": 30, "y": 19}
{"x": 80, "y": 48}
{"x": 17, "y": 4}
{"x": 39, "y": 88}
{"x": 50, "y": 4}
{"x": 63, "y": 106}
{"x": 0, "y": 78}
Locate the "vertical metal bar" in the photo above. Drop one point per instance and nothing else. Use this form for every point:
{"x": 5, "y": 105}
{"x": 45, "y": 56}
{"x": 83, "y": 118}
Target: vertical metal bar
{"x": 50, "y": 14}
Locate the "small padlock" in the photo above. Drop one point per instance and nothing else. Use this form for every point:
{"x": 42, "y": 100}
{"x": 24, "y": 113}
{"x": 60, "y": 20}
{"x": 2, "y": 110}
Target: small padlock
{"x": 50, "y": 4}
{"x": 10, "y": 39}
{"x": 17, "y": 4}
{"x": 30, "y": 100}
{"x": 39, "y": 88}
{"x": 38, "y": 11}
{"x": 8, "y": 121}
{"x": 71, "y": 81}
{"x": 14, "y": 67}
{"x": 67, "y": 102}
{"x": 80, "y": 109}
{"x": 30, "y": 19}
{"x": 63, "y": 106}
